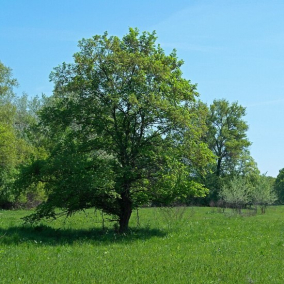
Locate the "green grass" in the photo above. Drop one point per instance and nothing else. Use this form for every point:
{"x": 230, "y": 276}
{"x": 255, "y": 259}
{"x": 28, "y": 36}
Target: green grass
{"x": 198, "y": 245}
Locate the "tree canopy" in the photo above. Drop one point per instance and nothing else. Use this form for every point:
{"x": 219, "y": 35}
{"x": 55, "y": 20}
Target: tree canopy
{"x": 7, "y": 83}
{"x": 125, "y": 130}
{"x": 16, "y": 117}
{"x": 227, "y": 139}
{"x": 227, "y": 134}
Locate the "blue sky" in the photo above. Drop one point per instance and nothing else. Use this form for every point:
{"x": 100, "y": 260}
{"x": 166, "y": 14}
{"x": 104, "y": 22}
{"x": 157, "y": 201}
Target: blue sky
{"x": 232, "y": 50}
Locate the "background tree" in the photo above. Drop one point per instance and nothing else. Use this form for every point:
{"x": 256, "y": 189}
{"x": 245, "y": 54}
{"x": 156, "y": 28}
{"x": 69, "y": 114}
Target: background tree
{"x": 126, "y": 130}
{"x": 279, "y": 186}
{"x": 7, "y": 84}
{"x": 16, "y": 116}
{"x": 7, "y": 133}
{"x": 8, "y": 153}
{"x": 227, "y": 134}
{"x": 227, "y": 139}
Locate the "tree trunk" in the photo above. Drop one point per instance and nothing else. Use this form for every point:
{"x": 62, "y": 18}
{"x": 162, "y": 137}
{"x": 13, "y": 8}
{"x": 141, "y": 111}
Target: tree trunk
{"x": 126, "y": 210}
{"x": 218, "y": 170}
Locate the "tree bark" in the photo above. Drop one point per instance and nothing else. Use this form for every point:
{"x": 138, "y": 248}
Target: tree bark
{"x": 125, "y": 213}
{"x": 218, "y": 170}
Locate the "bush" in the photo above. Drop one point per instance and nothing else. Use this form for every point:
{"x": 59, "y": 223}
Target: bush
{"x": 236, "y": 193}
{"x": 263, "y": 193}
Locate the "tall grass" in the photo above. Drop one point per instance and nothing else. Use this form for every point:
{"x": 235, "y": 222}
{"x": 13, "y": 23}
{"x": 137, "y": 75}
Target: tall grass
{"x": 179, "y": 245}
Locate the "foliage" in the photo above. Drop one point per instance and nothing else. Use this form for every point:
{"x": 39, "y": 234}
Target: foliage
{"x": 226, "y": 134}
{"x": 239, "y": 192}
{"x": 7, "y": 135}
{"x": 263, "y": 193}
{"x": 8, "y": 145}
{"x": 16, "y": 117}
{"x": 227, "y": 139}
{"x": 125, "y": 129}
{"x": 236, "y": 193}
{"x": 279, "y": 186}
{"x": 7, "y": 83}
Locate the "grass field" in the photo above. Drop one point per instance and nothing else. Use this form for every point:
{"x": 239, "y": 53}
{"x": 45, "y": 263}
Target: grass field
{"x": 192, "y": 245}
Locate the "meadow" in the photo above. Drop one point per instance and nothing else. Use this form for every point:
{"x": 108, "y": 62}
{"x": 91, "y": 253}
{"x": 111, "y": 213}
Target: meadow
{"x": 178, "y": 245}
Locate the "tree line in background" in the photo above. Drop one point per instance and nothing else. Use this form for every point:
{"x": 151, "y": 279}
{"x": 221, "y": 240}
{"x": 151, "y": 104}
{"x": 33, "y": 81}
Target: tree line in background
{"x": 124, "y": 129}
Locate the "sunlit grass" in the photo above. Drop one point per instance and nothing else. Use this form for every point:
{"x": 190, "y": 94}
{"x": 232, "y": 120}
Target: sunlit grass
{"x": 196, "y": 245}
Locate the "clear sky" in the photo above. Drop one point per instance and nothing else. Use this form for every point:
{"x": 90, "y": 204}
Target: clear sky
{"x": 232, "y": 50}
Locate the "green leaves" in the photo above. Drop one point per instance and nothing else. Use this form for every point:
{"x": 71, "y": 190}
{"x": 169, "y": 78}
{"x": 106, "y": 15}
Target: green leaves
{"x": 237, "y": 192}
{"x": 17, "y": 115}
{"x": 123, "y": 104}
{"x": 227, "y": 133}
{"x": 7, "y": 83}
{"x": 226, "y": 136}
{"x": 263, "y": 193}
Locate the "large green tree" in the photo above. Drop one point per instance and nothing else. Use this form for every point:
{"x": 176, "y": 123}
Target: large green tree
{"x": 125, "y": 128}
